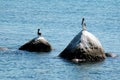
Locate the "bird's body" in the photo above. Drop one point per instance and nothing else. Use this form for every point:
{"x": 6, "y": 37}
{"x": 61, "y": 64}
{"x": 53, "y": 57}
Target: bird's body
{"x": 39, "y": 33}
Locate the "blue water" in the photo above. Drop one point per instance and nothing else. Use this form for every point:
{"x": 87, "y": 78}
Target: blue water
{"x": 59, "y": 21}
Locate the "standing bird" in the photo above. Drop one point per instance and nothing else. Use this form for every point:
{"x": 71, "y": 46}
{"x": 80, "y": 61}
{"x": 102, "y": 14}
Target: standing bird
{"x": 39, "y": 33}
{"x": 83, "y": 24}
{"x": 84, "y": 47}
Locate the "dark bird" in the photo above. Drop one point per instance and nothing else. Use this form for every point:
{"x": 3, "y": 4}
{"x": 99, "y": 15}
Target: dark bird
{"x": 39, "y": 33}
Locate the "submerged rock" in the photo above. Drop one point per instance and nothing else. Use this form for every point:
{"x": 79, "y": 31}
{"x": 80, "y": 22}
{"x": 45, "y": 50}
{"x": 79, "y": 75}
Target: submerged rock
{"x": 38, "y": 44}
{"x": 84, "y": 47}
{"x": 111, "y": 55}
{"x": 3, "y": 48}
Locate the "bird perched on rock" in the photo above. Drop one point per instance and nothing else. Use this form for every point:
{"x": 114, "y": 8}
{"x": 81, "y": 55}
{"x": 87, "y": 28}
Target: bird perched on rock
{"x": 84, "y": 47}
{"x": 37, "y": 44}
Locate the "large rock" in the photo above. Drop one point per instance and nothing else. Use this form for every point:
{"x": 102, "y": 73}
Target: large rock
{"x": 38, "y": 44}
{"x": 84, "y": 47}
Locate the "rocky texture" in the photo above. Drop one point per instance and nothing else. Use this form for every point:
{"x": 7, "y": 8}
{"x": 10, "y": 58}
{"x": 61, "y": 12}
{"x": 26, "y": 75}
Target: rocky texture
{"x": 84, "y": 47}
{"x": 37, "y": 45}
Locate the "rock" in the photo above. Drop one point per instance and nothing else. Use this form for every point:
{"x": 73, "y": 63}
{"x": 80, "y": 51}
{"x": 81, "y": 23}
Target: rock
{"x": 111, "y": 55}
{"x": 3, "y": 48}
{"x": 38, "y": 44}
{"x": 84, "y": 47}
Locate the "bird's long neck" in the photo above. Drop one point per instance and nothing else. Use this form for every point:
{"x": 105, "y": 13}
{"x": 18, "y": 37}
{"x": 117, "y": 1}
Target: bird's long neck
{"x": 83, "y": 24}
{"x": 39, "y": 33}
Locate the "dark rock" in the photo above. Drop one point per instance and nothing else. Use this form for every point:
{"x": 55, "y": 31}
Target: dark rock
{"x": 38, "y": 44}
{"x": 111, "y": 55}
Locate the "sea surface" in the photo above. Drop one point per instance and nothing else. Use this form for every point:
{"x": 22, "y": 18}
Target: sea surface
{"x": 59, "y": 21}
